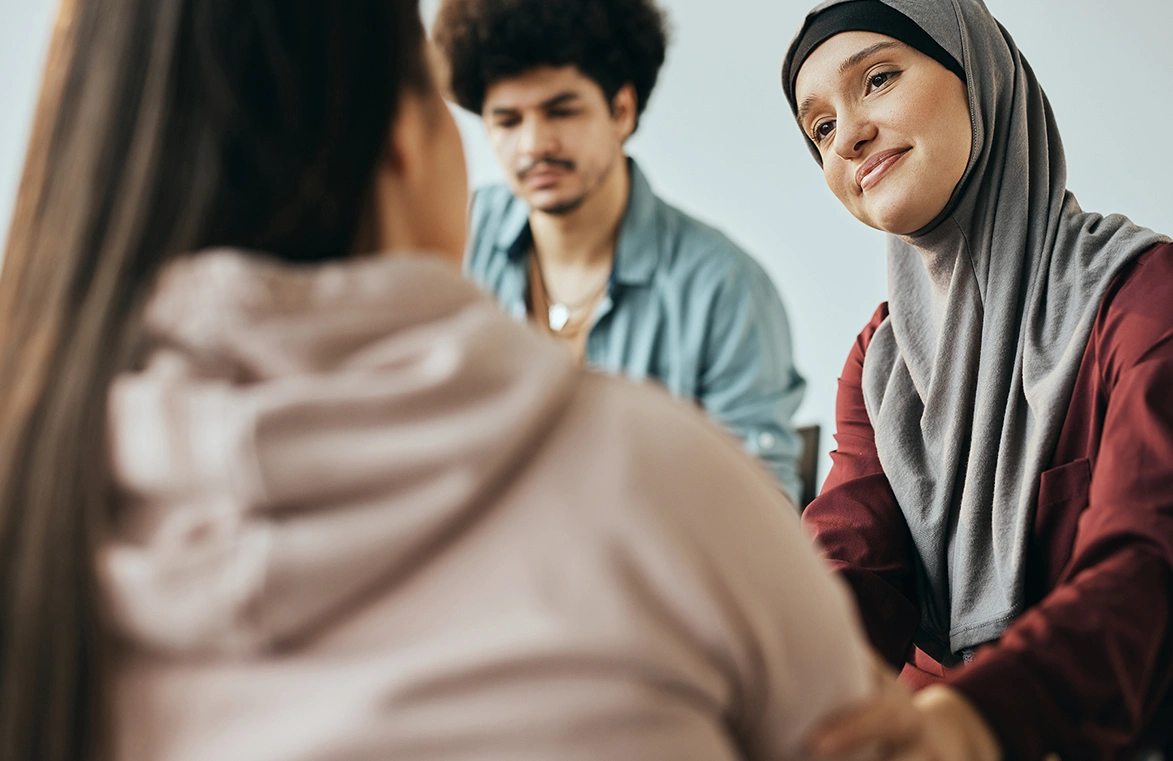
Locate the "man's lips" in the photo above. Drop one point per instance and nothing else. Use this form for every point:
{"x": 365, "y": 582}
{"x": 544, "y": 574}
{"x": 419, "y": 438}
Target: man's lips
{"x": 545, "y": 172}
{"x": 544, "y": 177}
{"x": 874, "y": 169}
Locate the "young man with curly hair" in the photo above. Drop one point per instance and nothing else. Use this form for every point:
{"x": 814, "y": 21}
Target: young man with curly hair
{"x": 579, "y": 244}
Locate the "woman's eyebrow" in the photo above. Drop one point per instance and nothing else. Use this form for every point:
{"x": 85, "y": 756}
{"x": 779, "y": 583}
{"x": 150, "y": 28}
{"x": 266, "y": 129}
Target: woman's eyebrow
{"x": 805, "y": 108}
{"x": 850, "y": 62}
{"x": 854, "y": 59}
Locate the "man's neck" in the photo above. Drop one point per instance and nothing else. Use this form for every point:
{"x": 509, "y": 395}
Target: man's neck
{"x": 585, "y": 238}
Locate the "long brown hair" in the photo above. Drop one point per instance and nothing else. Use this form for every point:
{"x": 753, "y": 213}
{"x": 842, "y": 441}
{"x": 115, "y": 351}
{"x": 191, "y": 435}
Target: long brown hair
{"x": 164, "y": 127}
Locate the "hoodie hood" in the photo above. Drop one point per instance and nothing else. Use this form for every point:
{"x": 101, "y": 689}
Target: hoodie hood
{"x": 298, "y": 434}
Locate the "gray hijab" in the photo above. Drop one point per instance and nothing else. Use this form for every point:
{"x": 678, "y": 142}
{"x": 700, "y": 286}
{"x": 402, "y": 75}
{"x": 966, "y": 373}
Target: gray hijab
{"x": 968, "y": 381}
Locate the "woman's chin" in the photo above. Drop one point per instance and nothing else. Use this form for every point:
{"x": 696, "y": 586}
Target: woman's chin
{"x": 896, "y": 218}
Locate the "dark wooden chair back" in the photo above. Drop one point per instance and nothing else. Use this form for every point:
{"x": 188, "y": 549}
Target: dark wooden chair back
{"x": 808, "y": 464}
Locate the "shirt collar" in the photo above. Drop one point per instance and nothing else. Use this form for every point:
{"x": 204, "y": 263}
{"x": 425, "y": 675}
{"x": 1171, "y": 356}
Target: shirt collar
{"x": 637, "y": 252}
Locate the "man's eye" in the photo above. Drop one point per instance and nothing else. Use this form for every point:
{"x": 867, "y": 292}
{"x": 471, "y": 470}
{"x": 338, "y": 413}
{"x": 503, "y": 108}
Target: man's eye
{"x": 822, "y": 130}
{"x": 561, "y": 114}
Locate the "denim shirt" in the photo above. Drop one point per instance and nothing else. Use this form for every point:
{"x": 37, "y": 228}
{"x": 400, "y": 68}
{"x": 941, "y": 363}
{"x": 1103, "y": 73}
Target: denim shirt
{"x": 685, "y": 307}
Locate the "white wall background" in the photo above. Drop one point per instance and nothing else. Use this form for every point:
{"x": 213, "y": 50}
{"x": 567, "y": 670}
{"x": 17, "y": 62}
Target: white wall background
{"x": 24, "y": 39}
{"x": 718, "y": 141}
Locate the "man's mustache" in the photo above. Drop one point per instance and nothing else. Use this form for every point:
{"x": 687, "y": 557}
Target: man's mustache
{"x": 545, "y": 163}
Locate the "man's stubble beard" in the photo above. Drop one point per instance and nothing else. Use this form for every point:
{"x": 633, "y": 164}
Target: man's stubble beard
{"x": 564, "y": 208}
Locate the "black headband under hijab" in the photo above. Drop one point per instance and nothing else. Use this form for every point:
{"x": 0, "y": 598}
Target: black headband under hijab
{"x": 860, "y": 16}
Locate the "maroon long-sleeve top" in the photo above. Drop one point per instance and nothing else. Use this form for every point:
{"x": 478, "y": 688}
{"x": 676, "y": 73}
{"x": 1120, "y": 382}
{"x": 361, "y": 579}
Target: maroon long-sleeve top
{"x": 1087, "y": 670}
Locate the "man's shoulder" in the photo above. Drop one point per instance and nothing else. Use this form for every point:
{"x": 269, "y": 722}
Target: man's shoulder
{"x": 493, "y": 208}
{"x": 491, "y": 204}
{"x": 692, "y": 244}
{"x": 697, "y": 235}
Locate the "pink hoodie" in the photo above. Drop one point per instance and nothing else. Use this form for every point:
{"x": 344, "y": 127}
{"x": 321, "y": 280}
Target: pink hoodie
{"x": 365, "y": 516}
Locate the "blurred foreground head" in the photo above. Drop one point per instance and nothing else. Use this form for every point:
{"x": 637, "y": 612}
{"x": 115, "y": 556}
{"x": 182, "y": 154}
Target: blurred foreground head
{"x": 301, "y": 129}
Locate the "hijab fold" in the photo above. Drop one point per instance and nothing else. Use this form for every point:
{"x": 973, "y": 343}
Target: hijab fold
{"x": 968, "y": 381}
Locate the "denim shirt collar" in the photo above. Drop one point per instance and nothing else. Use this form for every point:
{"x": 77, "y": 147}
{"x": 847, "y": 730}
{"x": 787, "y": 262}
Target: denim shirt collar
{"x": 637, "y": 253}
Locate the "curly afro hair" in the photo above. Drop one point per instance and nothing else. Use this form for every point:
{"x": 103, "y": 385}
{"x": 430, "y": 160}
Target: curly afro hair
{"x": 613, "y": 42}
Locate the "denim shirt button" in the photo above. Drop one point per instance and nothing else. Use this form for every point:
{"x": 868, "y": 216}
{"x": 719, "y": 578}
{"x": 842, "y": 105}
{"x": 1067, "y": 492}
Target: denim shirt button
{"x": 766, "y": 440}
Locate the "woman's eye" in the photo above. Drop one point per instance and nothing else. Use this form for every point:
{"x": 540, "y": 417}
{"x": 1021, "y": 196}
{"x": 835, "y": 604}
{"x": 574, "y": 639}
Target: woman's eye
{"x": 822, "y": 130}
{"x": 876, "y": 81}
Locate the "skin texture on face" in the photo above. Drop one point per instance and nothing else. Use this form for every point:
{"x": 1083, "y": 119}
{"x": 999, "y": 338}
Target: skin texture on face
{"x": 556, "y": 136}
{"x": 892, "y": 126}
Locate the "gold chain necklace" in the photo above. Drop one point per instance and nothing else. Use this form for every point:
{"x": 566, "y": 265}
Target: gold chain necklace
{"x": 559, "y": 313}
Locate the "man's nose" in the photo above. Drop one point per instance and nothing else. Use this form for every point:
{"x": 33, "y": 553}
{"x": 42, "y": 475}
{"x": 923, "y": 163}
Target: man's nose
{"x": 537, "y": 138}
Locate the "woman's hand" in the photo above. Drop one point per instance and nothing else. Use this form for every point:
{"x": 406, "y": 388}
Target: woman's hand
{"x": 935, "y": 724}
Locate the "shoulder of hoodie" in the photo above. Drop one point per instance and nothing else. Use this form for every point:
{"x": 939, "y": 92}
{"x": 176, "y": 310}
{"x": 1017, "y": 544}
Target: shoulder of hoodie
{"x": 630, "y": 455}
{"x": 644, "y": 500}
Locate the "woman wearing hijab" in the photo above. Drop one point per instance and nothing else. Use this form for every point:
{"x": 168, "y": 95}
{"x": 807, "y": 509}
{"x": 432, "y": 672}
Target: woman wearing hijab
{"x": 276, "y": 483}
{"x": 1001, "y": 500}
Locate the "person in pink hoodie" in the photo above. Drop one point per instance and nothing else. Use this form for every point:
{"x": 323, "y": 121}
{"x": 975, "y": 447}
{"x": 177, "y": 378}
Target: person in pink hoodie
{"x": 268, "y": 496}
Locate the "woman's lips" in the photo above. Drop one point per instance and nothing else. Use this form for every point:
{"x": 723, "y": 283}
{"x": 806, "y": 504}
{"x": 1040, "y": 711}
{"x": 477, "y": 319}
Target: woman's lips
{"x": 874, "y": 169}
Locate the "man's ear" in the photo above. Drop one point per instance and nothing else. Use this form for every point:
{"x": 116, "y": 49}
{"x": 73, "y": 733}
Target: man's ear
{"x": 625, "y": 111}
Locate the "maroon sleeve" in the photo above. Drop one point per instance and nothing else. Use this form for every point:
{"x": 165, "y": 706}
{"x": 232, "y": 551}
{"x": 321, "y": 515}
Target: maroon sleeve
{"x": 859, "y": 524}
{"x": 1087, "y": 672}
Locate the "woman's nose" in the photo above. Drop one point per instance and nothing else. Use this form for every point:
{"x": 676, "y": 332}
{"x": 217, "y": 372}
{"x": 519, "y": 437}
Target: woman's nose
{"x": 852, "y": 134}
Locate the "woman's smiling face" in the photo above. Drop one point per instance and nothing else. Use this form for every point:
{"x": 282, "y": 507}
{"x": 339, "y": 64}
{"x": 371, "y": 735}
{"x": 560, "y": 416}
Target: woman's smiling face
{"x": 892, "y": 127}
